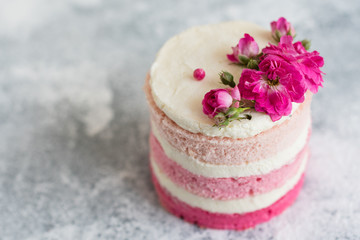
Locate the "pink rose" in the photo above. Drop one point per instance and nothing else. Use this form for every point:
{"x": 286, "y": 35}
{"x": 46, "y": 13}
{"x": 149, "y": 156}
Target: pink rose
{"x": 215, "y": 101}
{"x": 273, "y": 88}
{"x": 280, "y": 28}
{"x": 308, "y": 63}
{"x": 270, "y": 100}
{"x": 280, "y": 73}
{"x": 245, "y": 49}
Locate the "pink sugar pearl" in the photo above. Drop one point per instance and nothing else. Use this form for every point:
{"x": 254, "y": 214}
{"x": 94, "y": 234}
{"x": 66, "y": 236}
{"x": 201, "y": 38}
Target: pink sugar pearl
{"x": 199, "y": 74}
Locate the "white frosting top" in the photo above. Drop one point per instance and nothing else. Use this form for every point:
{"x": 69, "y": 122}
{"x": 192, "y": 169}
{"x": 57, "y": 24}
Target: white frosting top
{"x": 179, "y": 95}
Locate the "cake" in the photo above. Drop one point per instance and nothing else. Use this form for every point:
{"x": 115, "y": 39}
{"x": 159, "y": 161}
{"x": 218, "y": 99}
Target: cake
{"x": 234, "y": 175}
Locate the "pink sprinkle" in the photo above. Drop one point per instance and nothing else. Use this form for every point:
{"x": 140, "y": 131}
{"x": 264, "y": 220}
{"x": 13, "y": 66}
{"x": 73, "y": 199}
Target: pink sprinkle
{"x": 199, "y": 74}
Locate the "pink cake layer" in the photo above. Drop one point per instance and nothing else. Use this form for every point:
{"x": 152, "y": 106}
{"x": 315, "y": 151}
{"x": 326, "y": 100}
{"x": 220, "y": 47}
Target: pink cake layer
{"x": 223, "y": 188}
{"x": 229, "y": 151}
{"x": 220, "y": 220}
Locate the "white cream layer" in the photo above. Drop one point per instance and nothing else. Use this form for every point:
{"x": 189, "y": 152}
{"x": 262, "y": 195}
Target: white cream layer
{"x": 260, "y": 167}
{"x": 179, "y": 95}
{"x": 242, "y": 205}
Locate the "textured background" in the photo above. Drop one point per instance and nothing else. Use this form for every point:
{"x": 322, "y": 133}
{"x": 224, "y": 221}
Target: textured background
{"x": 74, "y": 121}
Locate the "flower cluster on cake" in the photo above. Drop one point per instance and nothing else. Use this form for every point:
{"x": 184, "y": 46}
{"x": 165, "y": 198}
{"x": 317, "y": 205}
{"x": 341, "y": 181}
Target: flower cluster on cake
{"x": 273, "y": 78}
{"x": 231, "y": 157}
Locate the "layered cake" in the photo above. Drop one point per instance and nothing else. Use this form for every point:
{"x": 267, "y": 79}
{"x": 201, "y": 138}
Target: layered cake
{"x": 231, "y": 157}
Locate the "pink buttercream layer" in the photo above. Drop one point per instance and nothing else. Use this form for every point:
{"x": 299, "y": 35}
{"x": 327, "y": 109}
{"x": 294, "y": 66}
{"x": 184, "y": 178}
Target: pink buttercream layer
{"x": 229, "y": 151}
{"x": 224, "y": 188}
{"x": 207, "y": 219}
